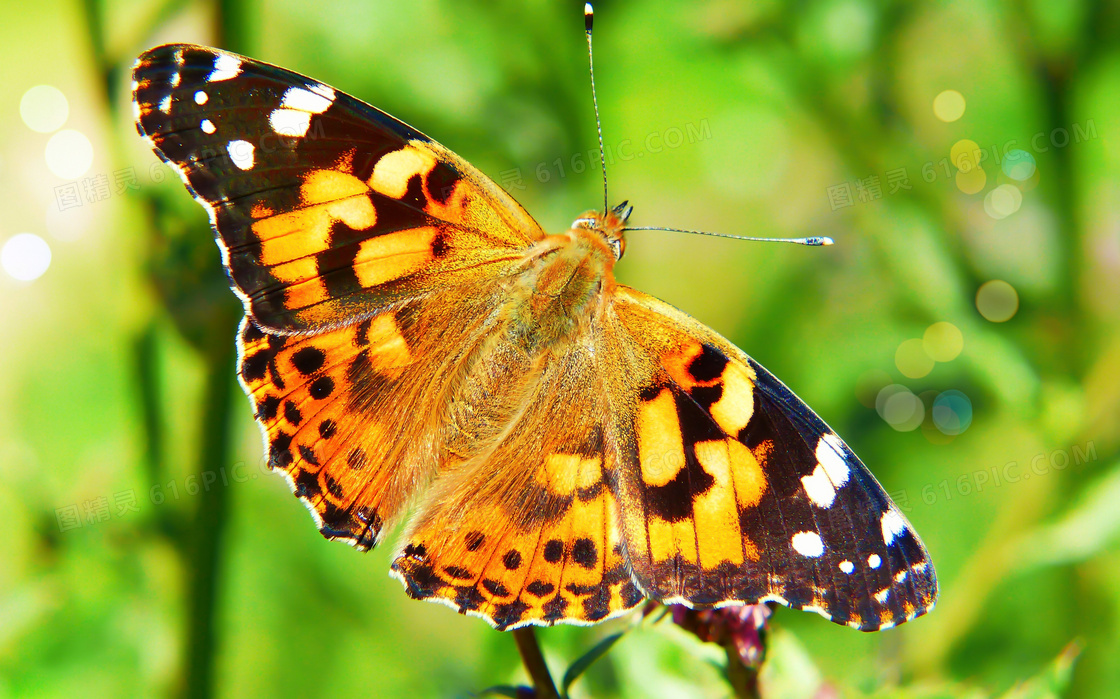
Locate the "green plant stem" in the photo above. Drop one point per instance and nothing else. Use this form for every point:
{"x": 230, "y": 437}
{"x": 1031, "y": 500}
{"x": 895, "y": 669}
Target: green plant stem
{"x": 202, "y": 566}
{"x": 743, "y": 679}
{"x": 533, "y": 659}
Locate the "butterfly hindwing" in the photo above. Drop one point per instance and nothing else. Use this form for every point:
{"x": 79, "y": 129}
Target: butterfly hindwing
{"x": 527, "y": 531}
{"x": 327, "y": 210}
{"x": 352, "y": 416}
{"x": 737, "y": 492}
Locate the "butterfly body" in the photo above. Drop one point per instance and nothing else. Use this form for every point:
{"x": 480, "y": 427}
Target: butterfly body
{"x": 569, "y": 446}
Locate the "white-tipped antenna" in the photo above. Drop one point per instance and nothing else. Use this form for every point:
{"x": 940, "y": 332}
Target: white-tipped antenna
{"x": 588, "y": 21}
{"x": 814, "y": 241}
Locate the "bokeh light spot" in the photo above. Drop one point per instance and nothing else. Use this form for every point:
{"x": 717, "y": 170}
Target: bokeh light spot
{"x": 997, "y": 301}
{"x": 912, "y": 360}
{"x": 44, "y": 108}
{"x": 949, "y": 105}
{"x": 1019, "y": 165}
{"x": 943, "y": 341}
{"x": 972, "y": 181}
{"x": 900, "y": 408}
{"x": 965, "y": 155}
{"x": 1003, "y": 201}
{"x": 952, "y": 412}
{"x": 69, "y": 154}
{"x": 25, "y": 256}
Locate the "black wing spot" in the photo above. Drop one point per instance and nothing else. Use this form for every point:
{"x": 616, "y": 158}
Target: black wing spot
{"x": 279, "y": 450}
{"x": 254, "y": 367}
{"x": 308, "y": 360}
{"x": 512, "y": 559}
{"x": 356, "y": 459}
{"x": 292, "y": 414}
{"x": 553, "y": 550}
{"x": 495, "y": 588}
{"x": 332, "y": 486}
{"x": 268, "y": 408}
{"x": 539, "y": 588}
{"x": 458, "y": 573}
{"x": 708, "y": 365}
{"x": 585, "y": 553}
{"x": 321, "y": 387}
{"x": 308, "y": 455}
{"x": 672, "y": 502}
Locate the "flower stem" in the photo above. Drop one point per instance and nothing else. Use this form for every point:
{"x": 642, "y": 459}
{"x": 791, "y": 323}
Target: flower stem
{"x": 526, "y": 638}
{"x": 743, "y": 679}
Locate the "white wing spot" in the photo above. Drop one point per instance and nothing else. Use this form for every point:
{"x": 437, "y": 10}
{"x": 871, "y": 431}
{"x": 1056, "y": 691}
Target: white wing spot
{"x": 893, "y": 525}
{"x": 225, "y": 67}
{"x": 165, "y": 105}
{"x": 819, "y": 487}
{"x": 306, "y": 100}
{"x": 900, "y": 576}
{"x": 847, "y": 567}
{"x": 289, "y": 122}
{"x": 830, "y": 455}
{"x": 881, "y": 595}
{"x": 208, "y": 126}
{"x": 241, "y": 153}
{"x": 873, "y": 560}
{"x": 808, "y": 544}
{"x": 176, "y": 79}
{"x": 323, "y": 90}
{"x": 200, "y": 97}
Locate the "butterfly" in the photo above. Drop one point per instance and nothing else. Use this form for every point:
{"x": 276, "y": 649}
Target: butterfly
{"x": 569, "y": 446}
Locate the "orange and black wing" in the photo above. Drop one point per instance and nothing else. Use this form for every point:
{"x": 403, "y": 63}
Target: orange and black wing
{"x": 527, "y": 530}
{"x": 733, "y": 490}
{"x": 362, "y": 251}
{"x": 326, "y": 210}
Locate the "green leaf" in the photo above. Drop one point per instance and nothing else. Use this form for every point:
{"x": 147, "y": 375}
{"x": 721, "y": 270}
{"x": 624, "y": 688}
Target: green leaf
{"x": 1089, "y": 526}
{"x": 1052, "y": 682}
{"x": 584, "y": 661}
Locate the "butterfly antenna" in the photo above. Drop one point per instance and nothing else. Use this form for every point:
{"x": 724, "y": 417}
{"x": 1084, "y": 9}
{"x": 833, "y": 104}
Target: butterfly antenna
{"x": 588, "y": 20}
{"x": 814, "y": 241}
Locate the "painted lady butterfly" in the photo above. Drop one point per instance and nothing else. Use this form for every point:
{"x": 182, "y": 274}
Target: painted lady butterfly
{"x": 575, "y": 446}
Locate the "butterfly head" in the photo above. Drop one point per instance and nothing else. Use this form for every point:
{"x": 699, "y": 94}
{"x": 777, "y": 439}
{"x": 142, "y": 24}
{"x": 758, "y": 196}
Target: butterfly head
{"x": 609, "y": 225}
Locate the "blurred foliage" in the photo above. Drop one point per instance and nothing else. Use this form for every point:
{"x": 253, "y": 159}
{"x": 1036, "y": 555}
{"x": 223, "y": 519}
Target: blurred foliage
{"x": 741, "y": 117}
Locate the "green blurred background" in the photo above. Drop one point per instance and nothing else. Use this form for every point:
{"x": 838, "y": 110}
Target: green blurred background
{"x": 961, "y": 335}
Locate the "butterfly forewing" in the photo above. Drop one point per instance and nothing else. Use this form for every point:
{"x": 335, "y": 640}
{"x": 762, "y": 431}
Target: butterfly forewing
{"x": 327, "y": 210}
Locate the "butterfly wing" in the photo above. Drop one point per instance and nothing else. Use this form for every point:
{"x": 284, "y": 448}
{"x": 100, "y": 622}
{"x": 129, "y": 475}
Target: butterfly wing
{"x": 365, "y": 254}
{"x": 527, "y": 531}
{"x": 353, "y": 416}
{"x": 733, "y": 490}
{"x": 327, "y": 210}
{"x": 652, "y": 458}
